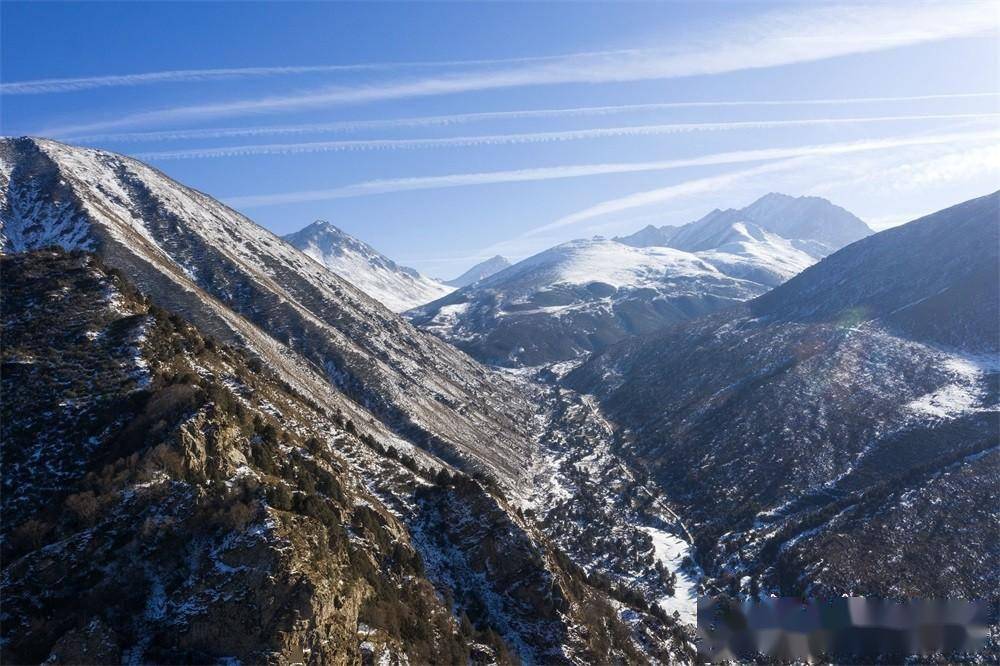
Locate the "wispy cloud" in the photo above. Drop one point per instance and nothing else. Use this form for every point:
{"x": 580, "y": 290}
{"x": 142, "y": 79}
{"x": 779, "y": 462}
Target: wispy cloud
{"x": 74, "y": 84}
{"x": 777, "y": 38}
{"x": 486, "y": 116}
{"x": 645, "y": 198}
{"x": 951, "y": 166}
{"x": 383, "y": 186}
{"x": 533, "y": 137}
{"x": 664, "y": 194}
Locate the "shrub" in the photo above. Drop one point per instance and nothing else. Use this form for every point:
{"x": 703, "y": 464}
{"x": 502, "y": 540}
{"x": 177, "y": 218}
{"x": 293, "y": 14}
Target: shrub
{"x": 83, "y": 507}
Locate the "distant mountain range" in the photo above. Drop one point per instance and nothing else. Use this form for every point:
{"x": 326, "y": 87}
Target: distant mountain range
{"x": 397, "y": 287}
{"x": 482, "y": 270}
{"x": 583, "y": 295}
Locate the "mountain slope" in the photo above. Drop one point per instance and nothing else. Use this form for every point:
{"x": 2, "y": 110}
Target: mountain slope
{"x": 483, "y": 269}
{"x": 876, "y": 456}
{"x": 577, "y": 297}
{"x": 238, "y": 282}
{"x": 397, "y": 287}
{"x": 418, "y": 416}
{"x": 949, "y": 264}
{"x": 192, "y": 507}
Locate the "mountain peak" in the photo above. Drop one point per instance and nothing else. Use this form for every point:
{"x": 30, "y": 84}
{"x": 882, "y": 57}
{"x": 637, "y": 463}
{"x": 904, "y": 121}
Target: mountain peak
{"x": 324, "y": 229}
{"x": 321, "y": 225}
{"x": 480, "y": 271}
{"x": 778, "y": 196}
{"x": 649, "y": 236}
{"x": 806, "y": 218}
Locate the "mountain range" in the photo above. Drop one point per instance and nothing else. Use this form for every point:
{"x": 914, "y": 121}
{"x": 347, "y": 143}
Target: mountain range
{"x": 217, "y": 448}
{"x": 579, "y": 297}
{"x": 813, "y": 222}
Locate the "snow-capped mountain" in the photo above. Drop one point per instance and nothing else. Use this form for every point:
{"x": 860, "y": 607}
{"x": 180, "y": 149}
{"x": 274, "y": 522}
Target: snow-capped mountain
{"x": 839, "y": 433}
{"x": 581, "y": 296}
{"x": 230, "y": 430}
{"x": 768, "y": 241}
{"x": 577, "y": 297}
{"x": 397, "y": 287}
{"x": 483, "y": 269}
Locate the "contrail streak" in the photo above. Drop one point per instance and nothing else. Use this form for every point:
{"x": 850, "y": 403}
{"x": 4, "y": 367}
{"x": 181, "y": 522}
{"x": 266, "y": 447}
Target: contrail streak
{"x": 534, "y": 137}
{"x": 486, "y": 116}
{"x": 73, "y": 84}
{"x": 383, "y": 186}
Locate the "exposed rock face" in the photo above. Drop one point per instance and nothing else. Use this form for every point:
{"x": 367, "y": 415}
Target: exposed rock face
{"x": 199, "y": 508}
{"x": 834, "y": 436}
{"x": 397, "y": 287}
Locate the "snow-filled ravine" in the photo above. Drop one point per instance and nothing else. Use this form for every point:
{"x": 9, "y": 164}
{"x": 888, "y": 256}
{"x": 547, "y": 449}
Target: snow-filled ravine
{"x": 671, "y": 551}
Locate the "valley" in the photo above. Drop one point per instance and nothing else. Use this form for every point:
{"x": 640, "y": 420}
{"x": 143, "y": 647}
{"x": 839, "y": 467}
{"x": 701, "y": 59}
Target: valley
{"x": 543, "y": 462}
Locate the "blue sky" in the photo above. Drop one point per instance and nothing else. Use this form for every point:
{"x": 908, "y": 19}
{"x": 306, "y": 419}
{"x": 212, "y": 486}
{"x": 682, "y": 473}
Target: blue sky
{"x": 445, "y": 133}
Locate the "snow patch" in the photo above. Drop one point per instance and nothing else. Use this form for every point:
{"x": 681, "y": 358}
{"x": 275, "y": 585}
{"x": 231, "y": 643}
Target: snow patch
{"x": 671, "y": 551}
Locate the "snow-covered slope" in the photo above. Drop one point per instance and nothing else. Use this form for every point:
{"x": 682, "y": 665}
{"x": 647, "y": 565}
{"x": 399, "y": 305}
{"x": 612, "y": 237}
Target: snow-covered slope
{"x": 768, "y": 241}
{"x": 397, "y": 287}
{"x": 577, "y": 297}
{"x": 839, "y": 433}
{"x": 742, "y": 249}
{"x": 483, "y": 269}
{"x": 583, "y": 262}
{"x": 807, "y": 218}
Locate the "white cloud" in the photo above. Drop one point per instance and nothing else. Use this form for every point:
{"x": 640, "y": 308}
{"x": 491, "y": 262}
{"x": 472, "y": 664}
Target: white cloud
{"x": 951, "y": 167}
{"x": 782, "y": 37}
{"x": 662, "y": 195}
{"x": 533, "y": 137}
{"x": 382, "y": 186}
